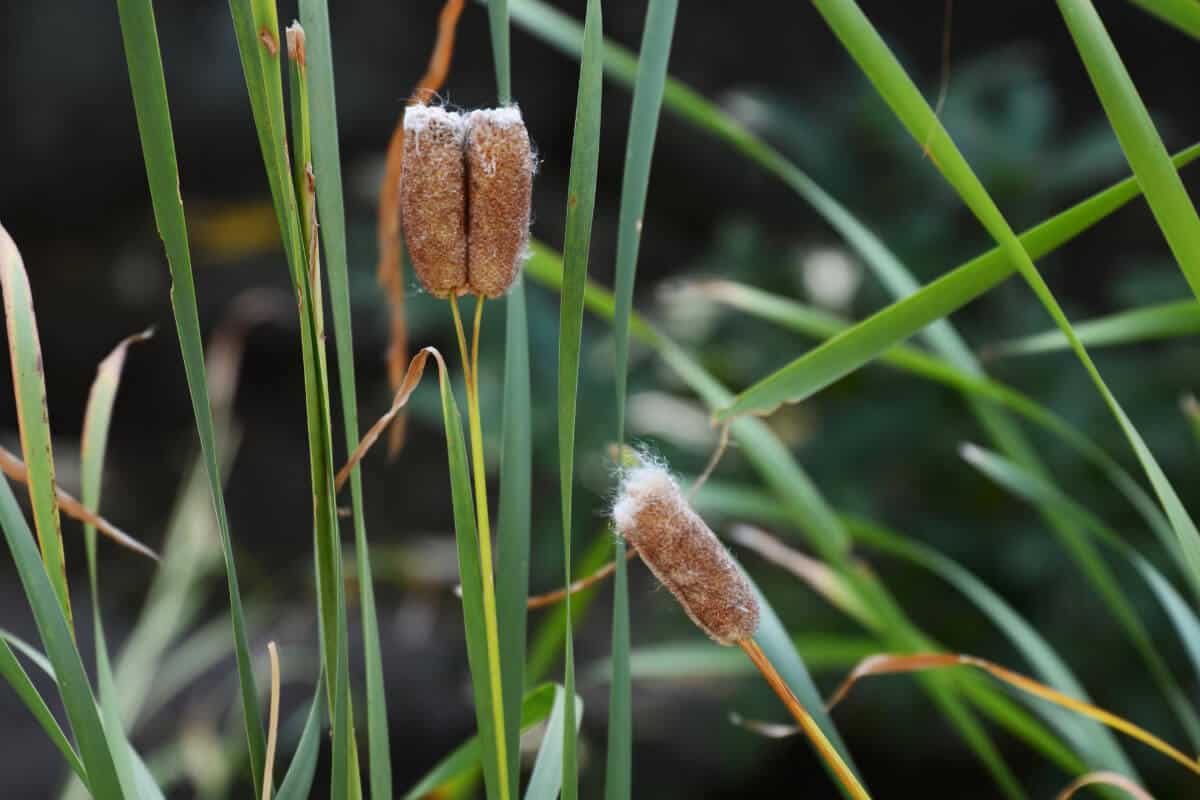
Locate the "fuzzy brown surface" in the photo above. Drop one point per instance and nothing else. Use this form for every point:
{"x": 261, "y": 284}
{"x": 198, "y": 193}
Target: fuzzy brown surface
{"x": 500, "y": 184}
{"x": 433, "y": 206}
{"x": 685, "y": 555}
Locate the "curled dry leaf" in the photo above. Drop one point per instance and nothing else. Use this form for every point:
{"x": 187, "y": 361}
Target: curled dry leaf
{"x": 389, "y": 271}
{"x": 416, "y": 368}
{"x": 892, "y": 664}
{"x": 273, "y": 723}
{"x": 1114, "y": 779}
{"x": 15, "y": 469}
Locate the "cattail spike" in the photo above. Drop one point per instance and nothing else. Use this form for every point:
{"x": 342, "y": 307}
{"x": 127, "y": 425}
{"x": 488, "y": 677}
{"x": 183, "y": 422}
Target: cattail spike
{"x": 682, "y": 551}
{"x": 433, "y": 200}
{"x": 499, "y": 184}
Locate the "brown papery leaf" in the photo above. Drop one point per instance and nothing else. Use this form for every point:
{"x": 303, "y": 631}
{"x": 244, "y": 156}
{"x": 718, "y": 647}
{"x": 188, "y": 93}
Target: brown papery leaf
{"x": 890, "y": 664}
{"x": 14, "y": 468}
{"x": 816, "y": 574}
{"x": 416, "y": 368}
{"x": 389, "y": 271}
{"x": 273, "y": 724}
{"x": 1106, "y": 779}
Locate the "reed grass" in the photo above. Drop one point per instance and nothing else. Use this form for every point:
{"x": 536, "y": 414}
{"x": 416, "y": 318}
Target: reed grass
{"x": 299, "y": 144}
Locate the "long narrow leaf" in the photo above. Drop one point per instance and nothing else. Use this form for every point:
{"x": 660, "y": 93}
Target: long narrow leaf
{"x": 498, "y": 24}
{"x": 1144, "y": 150}
{"x": 516, "y": 465}
{"x": 700, "y": 661}
{"x": 96, "y": 420}
{"x": 471, "y": 580}
{"x": 464, "y": 761}
{"x": 1095, "y": 742}
{"x": 643, "y": 129}
{"x": 545, "y": 781}
{"x": 865, "y": 45}
{"x": 29, "y": 390}
{"x": 12, "y": 672}
{"x": 144, "y": 59}
{"x": 297, "y": 783}
{"x": 95, "y": 746}
{"x": 1176, "y": 319}
{"x": 1183, "y": 14}
{"x": 977, "y": 386}
{"x": 1035, "y": 489}
{"x": 857, "y": 346}
{"x": 256, "y": 26}
{"x": 966, "y": 374}
{"x": 514, "y": 519}
{"x": 581, "y": 202}
{"x": 327, "y": 167}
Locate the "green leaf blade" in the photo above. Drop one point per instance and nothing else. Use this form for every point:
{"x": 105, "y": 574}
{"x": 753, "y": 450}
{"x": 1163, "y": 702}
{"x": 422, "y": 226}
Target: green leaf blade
{"x": 326, "y": 154}
{"x": 466, "y": 540}
{"x": 29, "y": 390}
{"x": 144, "y": 59}
{"x": 581, "y": 202}
{"x": 545, "y": 782}
{"x": 1183, "y": 14}
{"x": 1144, "y": 150}
{"x": 648, "y": 92}
{"x": 96, "y": 748}
{"x": 514, "y": 519}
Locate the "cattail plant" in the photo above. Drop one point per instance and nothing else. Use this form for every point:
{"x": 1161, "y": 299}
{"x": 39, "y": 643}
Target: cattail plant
{"x": 465, "y": 191}
{"x": 652, "y": 515}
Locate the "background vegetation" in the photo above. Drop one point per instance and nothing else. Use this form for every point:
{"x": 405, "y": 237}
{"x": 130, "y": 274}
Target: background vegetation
{"x": 880, "y": 445}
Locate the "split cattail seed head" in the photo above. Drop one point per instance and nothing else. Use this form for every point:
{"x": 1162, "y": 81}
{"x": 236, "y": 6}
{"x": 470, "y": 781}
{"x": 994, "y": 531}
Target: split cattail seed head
{"x": 433, "y": 199}
{"x": 684, "y": 554}
{"x": 499, "y": 187}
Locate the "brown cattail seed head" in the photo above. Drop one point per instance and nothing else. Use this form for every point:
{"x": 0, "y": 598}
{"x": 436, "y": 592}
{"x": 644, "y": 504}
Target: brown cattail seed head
{"x": 433, "y": 199}
{"x": 499, "y": 184}
{"x": 652, "y": 514}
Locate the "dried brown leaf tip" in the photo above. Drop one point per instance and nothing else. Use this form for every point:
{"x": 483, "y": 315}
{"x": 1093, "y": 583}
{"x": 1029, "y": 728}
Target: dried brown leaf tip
{"x": 684, "y": 554}
{"x": 465, "y": 191}
{"x": 295, "y": 44}
{"x": 433, "y": 198}
{"x": 499, "y": 188}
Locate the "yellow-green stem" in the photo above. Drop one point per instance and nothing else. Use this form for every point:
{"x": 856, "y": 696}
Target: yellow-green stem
{"x": 486, "y": 570}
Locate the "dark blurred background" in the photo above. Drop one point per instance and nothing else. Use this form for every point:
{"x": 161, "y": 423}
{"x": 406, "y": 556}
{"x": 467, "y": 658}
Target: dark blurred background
{"x": 73, "y": 195}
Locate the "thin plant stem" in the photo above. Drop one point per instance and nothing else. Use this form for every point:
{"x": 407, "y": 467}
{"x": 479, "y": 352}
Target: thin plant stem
{"x": 550, "y": 598}
{"x": 805, "y": 720}
{"x": 486, "y": 569}
{"x": 462, "y": 341}
{"x": 475, "y": 340}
